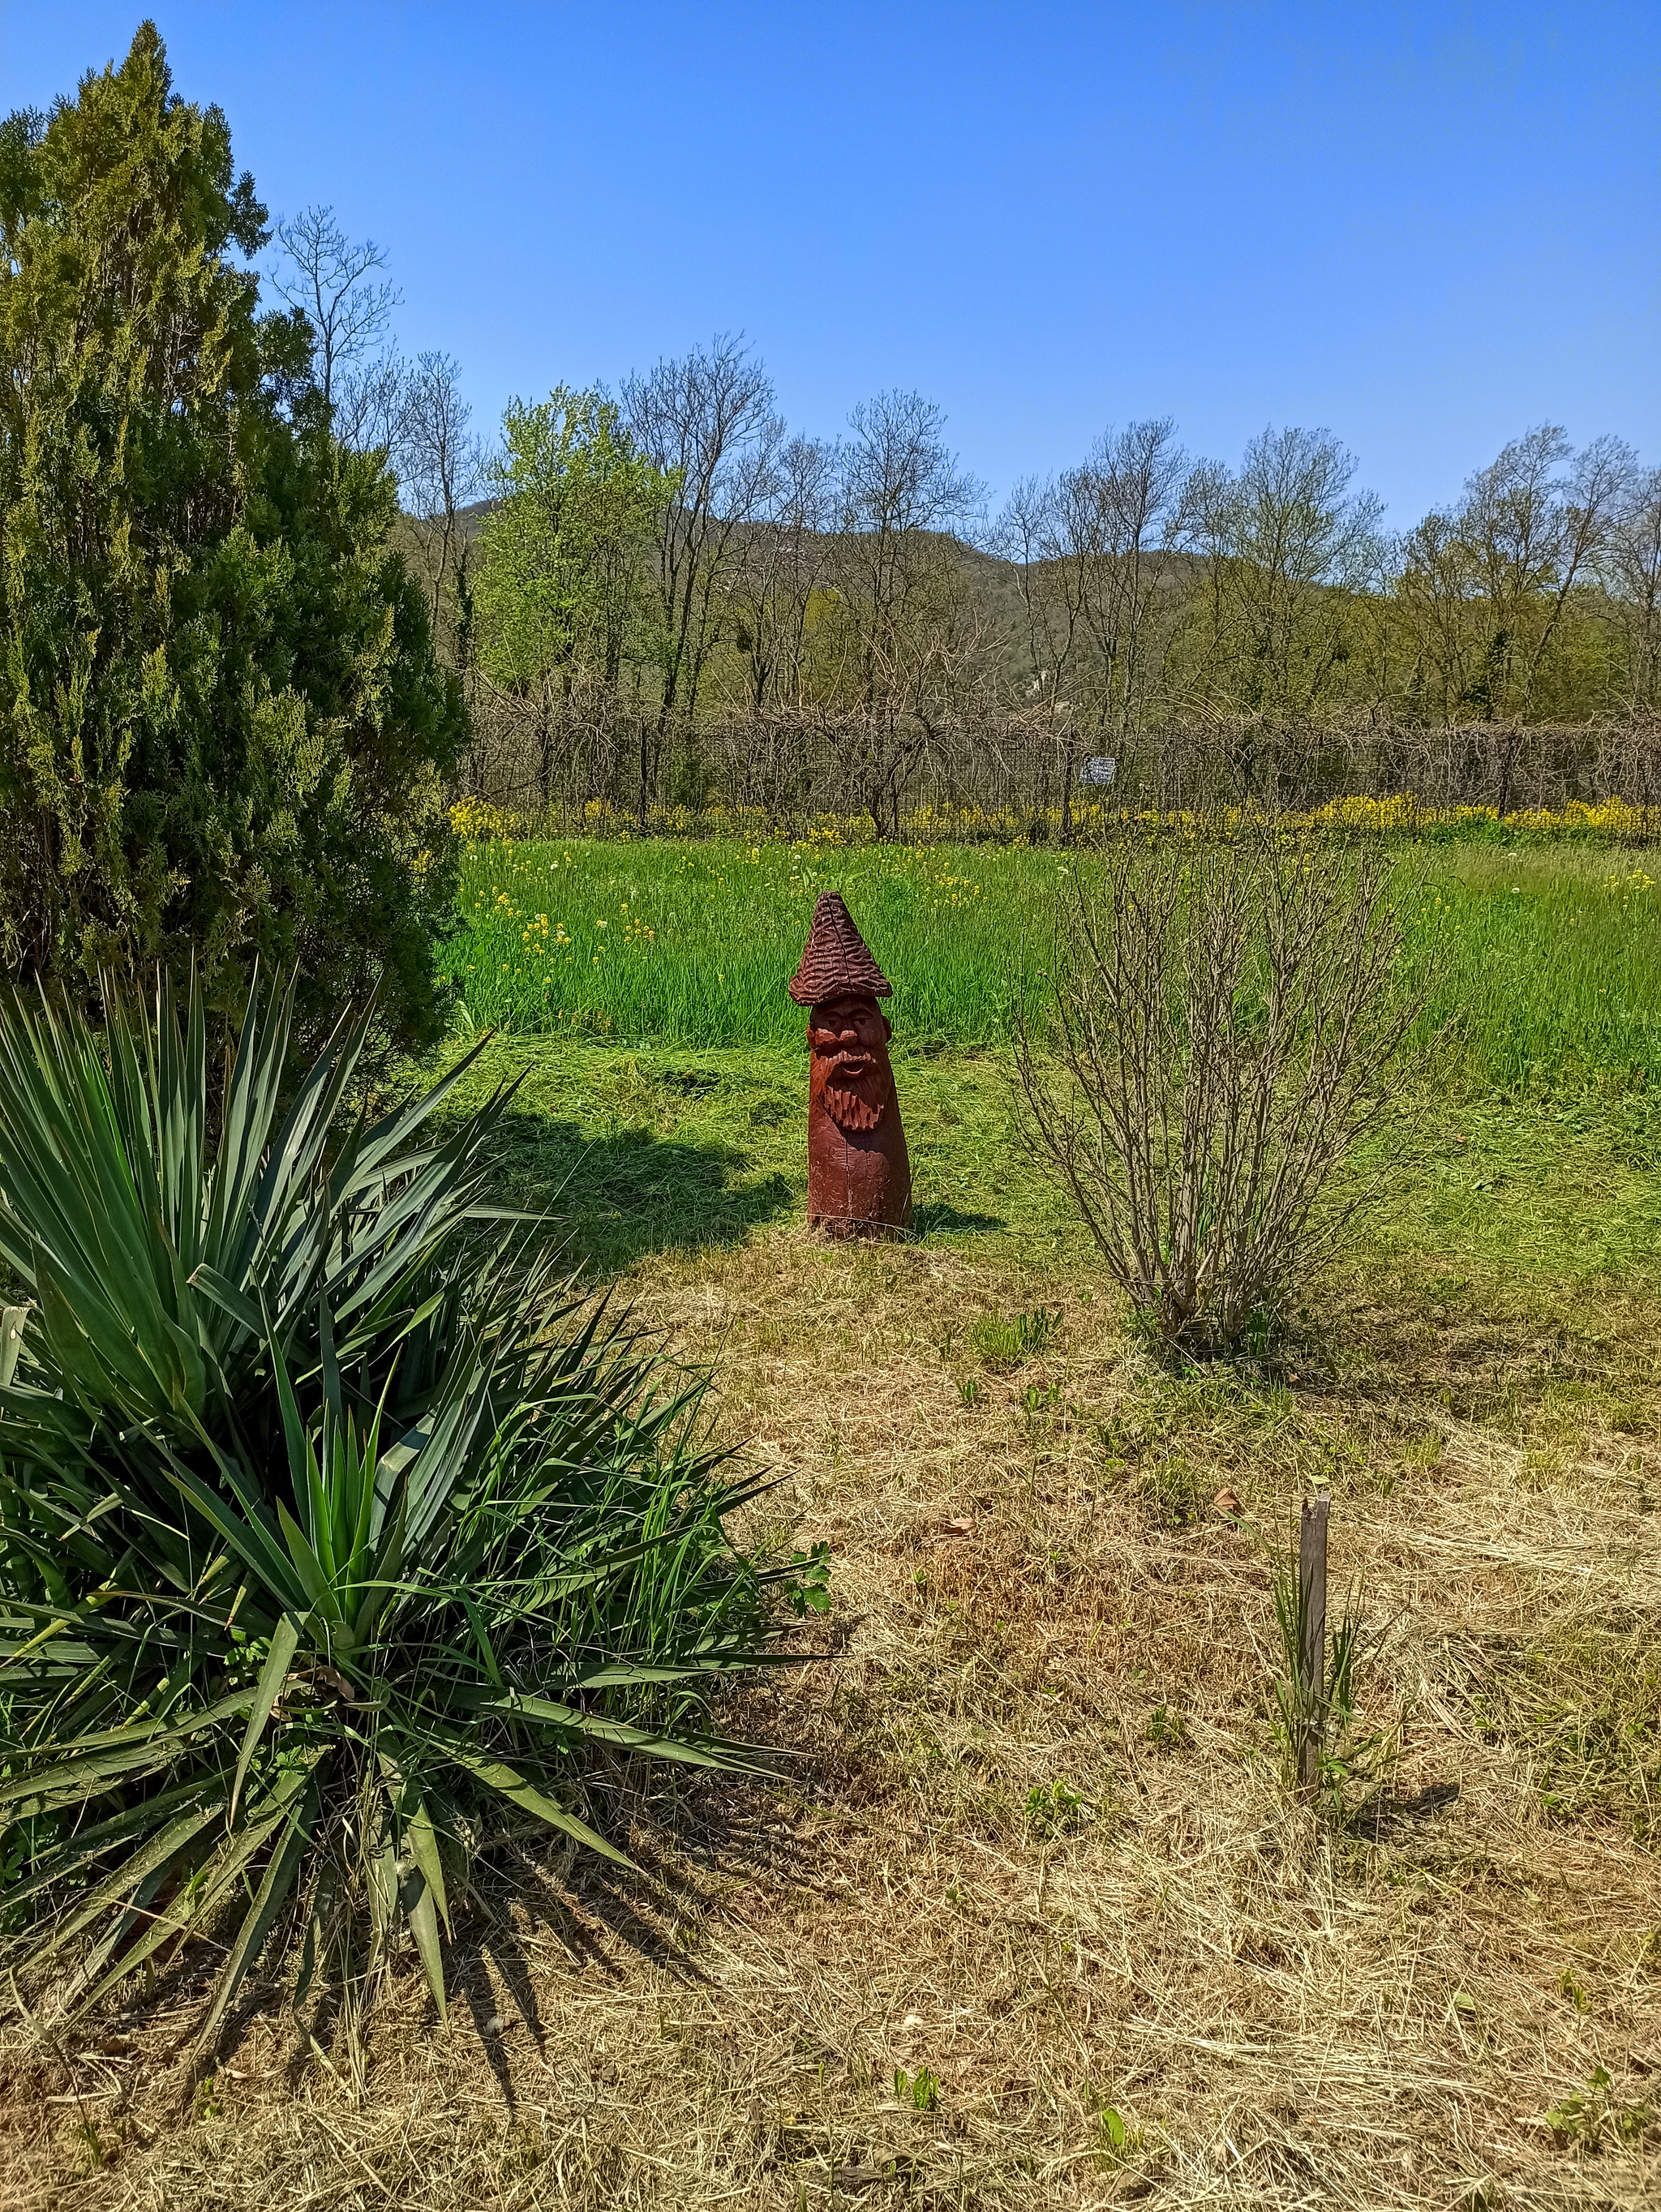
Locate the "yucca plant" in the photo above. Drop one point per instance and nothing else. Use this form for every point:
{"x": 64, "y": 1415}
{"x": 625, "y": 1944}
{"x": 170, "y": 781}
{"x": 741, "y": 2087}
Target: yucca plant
{"x": 335, "y": 1526}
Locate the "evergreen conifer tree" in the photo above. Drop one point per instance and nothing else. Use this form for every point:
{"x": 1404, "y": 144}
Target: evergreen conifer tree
{"x": 224, "y": 734}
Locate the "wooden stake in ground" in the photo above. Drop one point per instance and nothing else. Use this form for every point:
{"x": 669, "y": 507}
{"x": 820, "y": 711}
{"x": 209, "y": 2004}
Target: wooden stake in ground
{"x": 1312, "y": 1638}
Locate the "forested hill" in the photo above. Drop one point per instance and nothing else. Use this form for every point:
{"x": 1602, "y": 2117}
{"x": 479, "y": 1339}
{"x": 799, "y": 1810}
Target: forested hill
{"x": 995, "y": 585}
{"x": 679, "y": 542}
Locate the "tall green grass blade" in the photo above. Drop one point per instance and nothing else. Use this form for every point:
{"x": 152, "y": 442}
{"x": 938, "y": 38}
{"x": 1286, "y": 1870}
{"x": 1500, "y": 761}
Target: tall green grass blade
{"x": 577, "y": 1720}
{"x": 285, "y": 1642}
{"x": 151, "y": 1859}
{"x": 319, "y": 1596}
{"x": 73, "y": 1780}
{"x": 423, "y": 1840}
{"x": 12, "y": 1322}
{"x": 223, "y": 1869}
{"x": 415, "y": 1897}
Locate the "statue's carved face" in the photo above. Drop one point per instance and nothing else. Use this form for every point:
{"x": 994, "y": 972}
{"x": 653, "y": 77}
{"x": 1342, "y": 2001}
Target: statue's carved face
{"x": 848, "y": 1040}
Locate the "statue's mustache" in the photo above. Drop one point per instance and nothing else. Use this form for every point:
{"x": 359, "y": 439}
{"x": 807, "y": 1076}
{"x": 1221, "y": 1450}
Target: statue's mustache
{"x": 850, "y": 1061}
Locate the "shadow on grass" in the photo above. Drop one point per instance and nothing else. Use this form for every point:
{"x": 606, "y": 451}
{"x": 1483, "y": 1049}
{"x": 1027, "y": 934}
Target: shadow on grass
{"x": 692, "y": 1849}
{"x": 940, "y": 1220}
{"x": 619, "y": 1196}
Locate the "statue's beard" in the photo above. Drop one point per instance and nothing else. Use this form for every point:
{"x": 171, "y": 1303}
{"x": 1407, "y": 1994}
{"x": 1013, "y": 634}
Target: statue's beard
{"x": 855, "y": 1090}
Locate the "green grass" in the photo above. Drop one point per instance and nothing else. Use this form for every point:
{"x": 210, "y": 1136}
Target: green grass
{"x": 688, "y": 943}
{"x": 1544, "y": 965}
{"x": 662, "y": 1104}
{"x": 1542, "y": 962}
{"x": 635, "y": 1152}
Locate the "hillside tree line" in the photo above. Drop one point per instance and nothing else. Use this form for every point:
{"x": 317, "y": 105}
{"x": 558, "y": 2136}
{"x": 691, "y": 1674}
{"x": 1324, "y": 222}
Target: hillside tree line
{"x": 667, "y": 596}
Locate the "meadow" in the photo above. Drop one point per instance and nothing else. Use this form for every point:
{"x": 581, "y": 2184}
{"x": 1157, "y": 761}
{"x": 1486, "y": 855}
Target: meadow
{"x": 1539, "y": 959}
{"x": 1033, "y": 1921}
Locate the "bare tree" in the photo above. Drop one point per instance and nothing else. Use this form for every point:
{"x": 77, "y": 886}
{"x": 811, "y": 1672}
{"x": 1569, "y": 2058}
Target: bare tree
{"x": 1031, "y": 533}
{"x": 910, "y": 637}
{"x": 782, "y": 563}
{"x": 1129, "y": 509}
{"x": 707, "y": 422}
{"x": 331, "y": 280}
{"x": 899, "y": 481}
{"x": 441, "y": 470}
{"x": 1288, "y": 549}
{"x": 368, "y": 401}
{"x": 1094, "y": 552}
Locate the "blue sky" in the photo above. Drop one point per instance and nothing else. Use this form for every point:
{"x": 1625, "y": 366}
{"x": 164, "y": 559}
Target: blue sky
{"x": 1426, "y": 227}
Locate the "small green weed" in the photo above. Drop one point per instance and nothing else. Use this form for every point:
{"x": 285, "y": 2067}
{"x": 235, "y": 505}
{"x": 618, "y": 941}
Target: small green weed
{"x": 97, "y": 2151}
{"x": 1117, "y": 2139}
{"x": 1573, "y": 1990}
{"x": 1059, "y": 1810}
{"x": 1167, "y": 1488}
{"x": 1167, "y": 1728}
{"x": 809, "y": 1585}
{"x": 921, "y": 2089}
{"x": 1003, "y": 1344}
{"x": 1592, "y": 2117}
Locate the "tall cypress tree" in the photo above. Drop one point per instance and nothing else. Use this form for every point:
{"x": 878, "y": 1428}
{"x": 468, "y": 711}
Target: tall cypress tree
{"x": 224, "y": 734}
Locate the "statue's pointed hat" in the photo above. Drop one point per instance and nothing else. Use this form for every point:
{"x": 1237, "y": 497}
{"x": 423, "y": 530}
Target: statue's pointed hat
{"x": 837, "y": 962}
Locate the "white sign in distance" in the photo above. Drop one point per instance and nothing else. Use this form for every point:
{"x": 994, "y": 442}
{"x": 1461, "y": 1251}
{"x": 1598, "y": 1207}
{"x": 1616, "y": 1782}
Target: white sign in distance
{"x": 1099, "y": 768}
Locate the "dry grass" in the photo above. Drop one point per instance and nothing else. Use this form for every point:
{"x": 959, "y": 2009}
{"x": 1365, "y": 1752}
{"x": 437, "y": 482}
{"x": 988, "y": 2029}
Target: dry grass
{"x": 1041, "y": 1849}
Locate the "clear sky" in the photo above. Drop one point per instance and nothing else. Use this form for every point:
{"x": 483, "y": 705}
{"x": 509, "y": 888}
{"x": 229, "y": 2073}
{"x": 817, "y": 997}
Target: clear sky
{"x": 1426, "y": 227}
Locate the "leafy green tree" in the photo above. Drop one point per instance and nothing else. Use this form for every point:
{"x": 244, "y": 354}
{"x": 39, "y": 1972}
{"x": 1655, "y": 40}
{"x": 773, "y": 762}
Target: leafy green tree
{"x": 223, "y": 733}
{"x": 1631, "y": 565}
{"x": 562, "y": 581}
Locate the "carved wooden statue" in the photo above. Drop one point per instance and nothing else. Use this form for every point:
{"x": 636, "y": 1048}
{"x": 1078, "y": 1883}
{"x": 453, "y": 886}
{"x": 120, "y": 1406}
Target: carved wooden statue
{"x": 859, "y": 1176}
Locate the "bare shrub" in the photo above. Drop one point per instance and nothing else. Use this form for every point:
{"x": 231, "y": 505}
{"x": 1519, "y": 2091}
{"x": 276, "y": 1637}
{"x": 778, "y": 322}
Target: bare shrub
{"x": 1225, "y": 1023}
